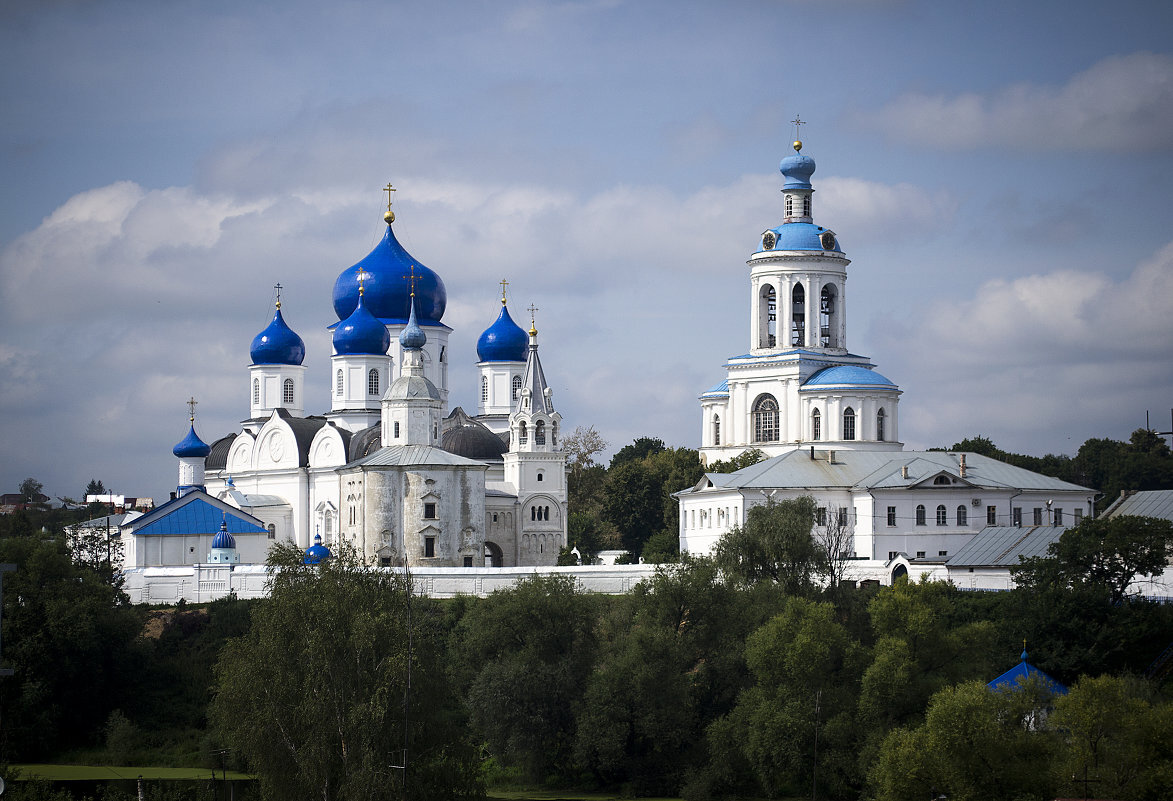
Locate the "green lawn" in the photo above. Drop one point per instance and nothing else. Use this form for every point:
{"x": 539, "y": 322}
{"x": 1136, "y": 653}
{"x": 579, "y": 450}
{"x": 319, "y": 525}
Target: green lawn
{"x": 65, "y": 773}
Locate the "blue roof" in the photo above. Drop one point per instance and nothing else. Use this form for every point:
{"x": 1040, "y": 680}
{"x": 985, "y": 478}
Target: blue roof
{"x": 720, "y": 389}
{"x": 503, "y": 341}
{"x": 802, "y": 236}
{"x": 361, "y": 333}
{"x": 223, "y": 539}
{"x": 1012, "y": 679}
{"x": 846, "y": 375}
{"x": 277, "y": 344}
{"x": 413, "y": 337}
{"x": 798, "y": 170}
{"x": 191, "y": 446}
{"x": 316, "y": 552}
{"x": 387, "y": 274}
{"x": 192, "y": 514}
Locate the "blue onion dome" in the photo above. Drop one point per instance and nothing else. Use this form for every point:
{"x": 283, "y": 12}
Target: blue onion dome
{"x": 504, "y": 340}
{"x": 223, "y": 539}
{"x": 847, "y": 375}
{"x": 361, "y": 333}
{"x": 386, "y": 276}
{"x": 797, "y": 169}
{"x": 277, "y": 344}
{"x": 317, "y": 552}
{"x": 191, "y": 446}
{"x": 413, "y": 337}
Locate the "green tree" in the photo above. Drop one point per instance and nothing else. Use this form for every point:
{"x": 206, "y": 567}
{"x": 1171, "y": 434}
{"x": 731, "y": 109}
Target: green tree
{"x": 637, "y": 451}
{"x": 315, "y": 695}
{"x": 522, "y": 656}
{"x": 632, "y": 503}
{"x": 30, "y": 491}
{"x": 774, "y": 544}
{"x": 95, "y": 487}
{"x": 1102, "y": 555}
{"x": 750, "y": 456}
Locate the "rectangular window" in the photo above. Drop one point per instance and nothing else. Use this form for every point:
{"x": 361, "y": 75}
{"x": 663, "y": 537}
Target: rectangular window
{"x": 892, "y": 516}
{"x": 429, "y": 511}
{"x": 892, "y": 554}
{"x": 1038, "y": 515}
{"x": 920, "y": 554}
{"x": 468, "y": 561}
{"x": 991, "y": 515}
{"x": 1016, "y": 516}
{"x": 942, "y": 553}
{"x": 1058, "y": 517}
{"x": 822, "y": 516}
{"x": 396, "y": 429}
{"x": 1078, "y": 516}
{"x": 429, "y": 546}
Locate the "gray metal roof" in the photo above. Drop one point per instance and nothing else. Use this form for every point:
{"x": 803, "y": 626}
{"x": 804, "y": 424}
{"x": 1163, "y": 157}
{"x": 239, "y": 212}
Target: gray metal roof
{"x": 882, "y": 470}
{"x": 414, "y": 455}
{"x": 1146, "y": 503}
{"x": 1000, "y": 546}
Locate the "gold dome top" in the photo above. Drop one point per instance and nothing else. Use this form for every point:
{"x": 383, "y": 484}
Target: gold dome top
{"x": 797, "y": 145}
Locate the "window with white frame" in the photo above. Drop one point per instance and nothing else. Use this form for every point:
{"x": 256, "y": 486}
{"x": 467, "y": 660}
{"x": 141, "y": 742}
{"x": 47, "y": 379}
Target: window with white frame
{"x": 962, "y": 515}
{"x": 942, "y": 515}
{"x": 816, "y": 425}
{"x": 920, "y": 514}
{"x": 287, "y": 392}
{"x": 765, "y": 419}
{"x": 338, "y": 383}
{"x": 880, "y": 425}
{"x": 256, "y": 392}
{"x": 848, "y": 423}
{"x": 373, "y": 382}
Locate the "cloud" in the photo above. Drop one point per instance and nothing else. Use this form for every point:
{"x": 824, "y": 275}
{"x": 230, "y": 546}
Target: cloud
{"x": 1121, "y": 103}
{"x": 1039, "y": 363}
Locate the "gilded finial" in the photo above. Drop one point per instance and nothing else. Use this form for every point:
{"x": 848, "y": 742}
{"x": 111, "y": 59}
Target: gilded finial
{"x": 277, "y": 286}
{"x": 504, "y": 284}
{"x": 533, "y": 330}
{"x": 191, "y": 404}
{"x": 389, "y": 217}
{"x": 797, "y": 121}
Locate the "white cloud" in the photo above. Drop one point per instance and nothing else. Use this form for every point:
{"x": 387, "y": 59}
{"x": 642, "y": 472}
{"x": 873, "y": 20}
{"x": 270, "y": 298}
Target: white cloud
{"x": 1121, "y": 103}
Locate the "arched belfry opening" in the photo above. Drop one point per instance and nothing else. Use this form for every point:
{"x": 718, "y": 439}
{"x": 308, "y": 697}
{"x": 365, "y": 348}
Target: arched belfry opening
{"x": 798, "y": 316}
{"x": 829, "y": 317}
{"x": 767, "y": 317}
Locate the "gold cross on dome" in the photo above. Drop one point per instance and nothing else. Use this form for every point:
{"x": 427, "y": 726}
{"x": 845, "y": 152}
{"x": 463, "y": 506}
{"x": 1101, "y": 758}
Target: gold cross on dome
{"x": 361, "y": 276}
{"x": 277, "y": 286}
{"x": 797, "y": 121}
{"x": 412, "y": 279}
{"x": 504, "y": 284}
{"x": 388, "y": 189}
{"x": 191, "y": 404}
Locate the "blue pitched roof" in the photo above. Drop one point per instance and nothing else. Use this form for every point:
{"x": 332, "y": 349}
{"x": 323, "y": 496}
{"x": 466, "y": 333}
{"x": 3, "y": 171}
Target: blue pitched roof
{"x": 196, "y": 513}
{"x": 1012, "y": 679}
{"x": 718, "y": 390}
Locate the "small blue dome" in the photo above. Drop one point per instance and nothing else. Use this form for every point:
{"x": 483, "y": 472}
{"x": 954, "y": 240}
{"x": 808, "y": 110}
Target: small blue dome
{"x": 277, "y": 344}
{"x": 798, "y": 170}
{"x": 317, "y": 552}
{"x": 503, "y": 341}
{"x": 191, "y": 446}
{"x": 413, "y": 337}
{"x": 804, "y": 236}
{"x": 847, "y": 375}
{"x": 223, "y": 539}
{"x": 361, "y": 333}
{"x": 387, "y": 282}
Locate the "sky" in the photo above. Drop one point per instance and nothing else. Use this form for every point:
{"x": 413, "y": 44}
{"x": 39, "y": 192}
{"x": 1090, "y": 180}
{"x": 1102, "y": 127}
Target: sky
{"x": 1000, "y": 174}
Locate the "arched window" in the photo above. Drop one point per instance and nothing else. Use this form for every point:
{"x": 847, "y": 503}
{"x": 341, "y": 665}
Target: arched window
{"x": 920, "y": 514}
{"x": 848, "y": 423}
{"x": 790, "y": 205}
{"x": 540, "y": 476}
{"x": 716, "y": 430}
{"x": 484, "y": 389}
{"x": 768, "y": 317}
{"x": 941, "y": 481}
{"x": 547, "y": 512}
{"x": 256, "y": 392}
{"x": 765, "y": 419}
{"x": 373, "y": 382}
{"x": 880, "y": 425}
{"x": 522, "y": 433}
{"x": 338, "y": 383}
{"x": 962, "y": 516}
{"x": 516, "y": 386}
{"x": 941, "y": 515}
{"x": 328, "y": 525}
{"x": 533, "y": 513}
{"x": 287, "y": 392}
{"x": 798, "y": 316}
{"x": 272, "y": 531}
{"x": 540, "y": 433}
{"x": 806, "y": 205}
{"x": 828, "y": 320}
{"x": 816, "y": 425}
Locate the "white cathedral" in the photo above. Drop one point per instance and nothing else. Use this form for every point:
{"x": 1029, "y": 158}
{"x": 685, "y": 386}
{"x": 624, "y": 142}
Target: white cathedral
{"x": 389, "y": 469}
{"x": 829, "y": 423}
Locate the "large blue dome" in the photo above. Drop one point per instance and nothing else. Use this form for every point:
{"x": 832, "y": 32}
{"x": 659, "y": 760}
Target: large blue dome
{"x": 361, "y": 333}
{"x": 387, "y": 282}
{"x": 503, "y": 341}
{"x": 277, "y": 344}
{"x": 804, "y": 236}
{"x": 847, "y": 375}
{"x": 191, "y": 446}
{"x": 317, "y": 552}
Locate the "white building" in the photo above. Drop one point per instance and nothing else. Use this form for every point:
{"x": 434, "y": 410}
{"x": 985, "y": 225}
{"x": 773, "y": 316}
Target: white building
{"x": 830, "y": 423}
{"x": 388, "y": 467}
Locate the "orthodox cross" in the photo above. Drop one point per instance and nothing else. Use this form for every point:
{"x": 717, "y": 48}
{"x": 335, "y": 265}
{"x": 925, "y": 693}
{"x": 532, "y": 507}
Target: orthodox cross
{"x": 504, "y": 284}
{"x": 191, "y": 404}
{"x": 277, "y": 286}
{"x": 797, "y": 121}
{"x": 361, "y": 276}
{"x": 532, "y": 309}
{"x": 388, "y": 189}
{"x": 412, "y": 279}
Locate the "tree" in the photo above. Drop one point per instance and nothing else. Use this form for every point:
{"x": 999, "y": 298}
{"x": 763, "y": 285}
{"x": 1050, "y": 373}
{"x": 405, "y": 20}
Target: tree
{"x": 315, "y": 695}
{"x": 750, "y": 456}
{"x": 638, "y": 450}
{"x": 632, "y": 502}
{"x": 1101, "y": 555}
{"x": 95, "y": 487}
{"x": 581, "y": 447}
{"x": 30, "y": 491}
{"x": 775, "y": 544}
{"x": 837, "y": 541}
{"x": 523, "y": 656}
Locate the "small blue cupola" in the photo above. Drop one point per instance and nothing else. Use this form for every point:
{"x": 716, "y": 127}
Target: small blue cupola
{"x": 361, "y": 333}
{"x": 223, "y": 550}
{"x": 277, "y": 344}
{"x": 1012, "y": 679}
{"x": 797, "y": 169}
{"x": 191, "y": 446}
{"x": 413, "y": 337}
{"x": 504, "y": 340}
{"x": 317, "y": 552}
